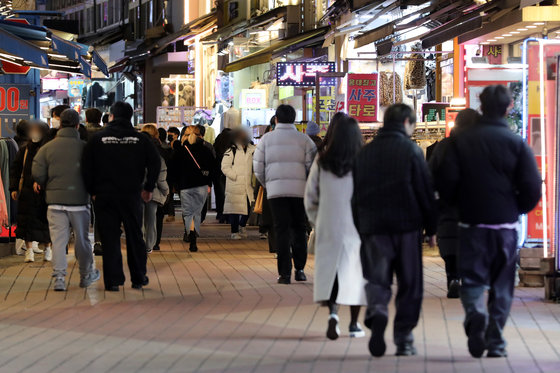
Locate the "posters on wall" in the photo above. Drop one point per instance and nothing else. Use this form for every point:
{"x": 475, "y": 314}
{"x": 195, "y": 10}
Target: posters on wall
{"x": 362, "y": 97}
{"x": 14, "y": 106}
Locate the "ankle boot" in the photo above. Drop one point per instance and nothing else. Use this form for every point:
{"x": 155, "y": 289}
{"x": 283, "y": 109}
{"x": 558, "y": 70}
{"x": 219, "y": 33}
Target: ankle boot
{"x": 192, "y": 239}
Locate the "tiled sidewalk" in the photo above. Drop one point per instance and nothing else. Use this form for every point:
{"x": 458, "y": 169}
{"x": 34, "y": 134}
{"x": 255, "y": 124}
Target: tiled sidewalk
{"x": 220, "y": 310}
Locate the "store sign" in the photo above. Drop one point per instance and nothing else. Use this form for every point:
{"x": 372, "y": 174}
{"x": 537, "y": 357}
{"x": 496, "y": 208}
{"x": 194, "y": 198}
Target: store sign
{"x": 76, "y": 86}
{"x": 493, "y": 53}
{"x": 14, "y": 106}
{"x": 304, "y": 74}
{"x": 253, "y": 98}
{"x": 362, "y": 97}
{"x": 434, "y": 111}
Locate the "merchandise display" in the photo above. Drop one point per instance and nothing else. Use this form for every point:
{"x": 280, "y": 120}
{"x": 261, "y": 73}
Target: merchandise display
{"x": 386, "y": 88}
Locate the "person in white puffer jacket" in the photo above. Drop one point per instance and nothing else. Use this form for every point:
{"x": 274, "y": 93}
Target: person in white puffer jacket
{"x": 237, "y": 166}
{"x": 281, "y": 163}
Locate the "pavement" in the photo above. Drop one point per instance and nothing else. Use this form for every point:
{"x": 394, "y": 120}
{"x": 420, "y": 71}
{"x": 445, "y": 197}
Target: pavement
{"x": 220, "y": 310}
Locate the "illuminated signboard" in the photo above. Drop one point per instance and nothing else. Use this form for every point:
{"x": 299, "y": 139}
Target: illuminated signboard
{"x": 14, "y": 106}
{"x": 303, "y": 74}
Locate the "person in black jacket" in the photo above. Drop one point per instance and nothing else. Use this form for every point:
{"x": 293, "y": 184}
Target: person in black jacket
{"x": 221, "y": 145}
{"x": 491, "y": 175}
{"x": 448, "y": 221}
{"x": 195, "y": 167}
{"x": 116, "y": 161}
{"x": 393, "y": 203}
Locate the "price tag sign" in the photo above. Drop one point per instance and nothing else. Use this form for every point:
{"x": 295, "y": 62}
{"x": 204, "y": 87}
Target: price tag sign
{"x": 14, "y": 106}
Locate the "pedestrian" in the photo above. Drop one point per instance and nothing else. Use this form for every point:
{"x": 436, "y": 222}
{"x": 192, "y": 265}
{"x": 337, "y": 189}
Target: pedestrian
{"x": 237, "y": 165}
{"x": 55, "y": 121}
{"x": 32, "y": 225}
{"x": 161, "y": 191}
{"x": 328, "y": 195}
{"x": 57, "y": 171}
{"x": 21, "y": 137}
{"x": 393, "y": 205}
{"x": 491, "y": 175}
{"x": 448, "y": 218}
{"x": 195, "y": 167}
{"x": 93, "y": 121}
{"x": 281, "y": 163}
{"x": 223, "y": 143}
{"x": 313, "y": 131}
{"x": 166, "y": 153}
{"x": 120, "y": 169}
{"x": 266, "y": 225}
{"x": 172, "y": 136}
{"x": 201, "y": 135}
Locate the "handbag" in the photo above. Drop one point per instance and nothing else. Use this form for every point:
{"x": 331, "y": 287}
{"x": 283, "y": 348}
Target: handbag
{"x": 259, "y": 201}
{"x": 20, "y": 186}
{"x": 204, "y": 172}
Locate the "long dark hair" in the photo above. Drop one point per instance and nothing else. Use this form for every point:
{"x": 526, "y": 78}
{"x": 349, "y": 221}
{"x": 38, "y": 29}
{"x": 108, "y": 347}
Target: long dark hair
{"x": 337, "y": 117}
{"x": 341, "y": 147}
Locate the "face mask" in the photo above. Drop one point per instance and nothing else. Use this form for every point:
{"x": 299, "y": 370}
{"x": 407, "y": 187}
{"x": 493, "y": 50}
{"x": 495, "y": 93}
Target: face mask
{"x": 55, "y": 123}
{"x": 36, "y": 137}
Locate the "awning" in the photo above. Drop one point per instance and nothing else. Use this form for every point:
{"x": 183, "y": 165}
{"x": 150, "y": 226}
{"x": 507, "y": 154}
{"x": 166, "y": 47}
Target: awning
{"x": 192, "y": 28}
{"x": 98, "y": 61}
{"x": 266, "y": 54}
{"x": 22, "y": 49}
{"x": 85, "y": 67}
{"x": 65, "y": 47}
{"x": 25, "y": 31}
{"x": 119, "y": 66}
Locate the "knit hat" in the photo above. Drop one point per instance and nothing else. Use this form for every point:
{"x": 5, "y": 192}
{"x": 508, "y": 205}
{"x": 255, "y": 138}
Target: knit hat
{"x": 312, "y": 129}
{"x": 69, "y": 118}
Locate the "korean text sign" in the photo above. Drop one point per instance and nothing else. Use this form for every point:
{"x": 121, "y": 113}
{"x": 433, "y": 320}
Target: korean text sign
{"x": 362, "y": 97}
{"x": 303, "y": 74}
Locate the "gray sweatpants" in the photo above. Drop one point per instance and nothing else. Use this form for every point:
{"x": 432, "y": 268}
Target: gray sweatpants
{"x": 150, "y": 229}
{"x": 60, "y": 223}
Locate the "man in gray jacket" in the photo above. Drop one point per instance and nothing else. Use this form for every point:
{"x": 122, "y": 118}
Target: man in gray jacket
{"x": 281, "y": 163}
{"x": 57, "y": 170}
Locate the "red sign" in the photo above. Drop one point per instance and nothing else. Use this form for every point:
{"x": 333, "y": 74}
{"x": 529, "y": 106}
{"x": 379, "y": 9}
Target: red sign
{"x": 493, "y": 53}
{"x": 362, "y": 97}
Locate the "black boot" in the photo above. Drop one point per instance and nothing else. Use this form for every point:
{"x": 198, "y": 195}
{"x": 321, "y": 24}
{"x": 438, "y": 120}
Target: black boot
{"x": 186, "y": 237}
{"x": 192, "y": 239}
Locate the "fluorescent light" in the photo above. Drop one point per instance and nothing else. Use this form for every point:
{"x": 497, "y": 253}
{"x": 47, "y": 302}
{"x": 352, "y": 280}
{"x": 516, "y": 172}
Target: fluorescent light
{"x": 514, "y": 32}
{"x": 499, "y": 37}
{"x": 522, "y": 29}
{"x": 506, "y": 35}
{"x": 538, "y": 23}
{"x": 491, "y": 39}
{"x": 531, "y": 26}
{"x": 484, "y": 43}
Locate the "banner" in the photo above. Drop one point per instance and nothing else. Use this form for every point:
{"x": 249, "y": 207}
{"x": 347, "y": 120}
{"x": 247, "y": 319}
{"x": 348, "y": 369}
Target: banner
{"x": 14, "y": 106}
{"x": 362, "y": 97}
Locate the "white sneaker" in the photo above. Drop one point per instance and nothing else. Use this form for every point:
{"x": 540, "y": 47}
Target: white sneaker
{"x": 356, "y": 331}
{"x": 35, "y": 246}
{"x": 235, "y": 236}
{"x": 29, "y": 256}
{"x": 59, "y": 284}
{"x": 48, "y": 254}
{"x": 243, "y": 231}
{"x": 333, "y": 330}
{"x": 20, "y": 244}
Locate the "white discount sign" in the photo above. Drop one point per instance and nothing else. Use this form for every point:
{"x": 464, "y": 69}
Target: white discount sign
{"x": 253, "y": 98}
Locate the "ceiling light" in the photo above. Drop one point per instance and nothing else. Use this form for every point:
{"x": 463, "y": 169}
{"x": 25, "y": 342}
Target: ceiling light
{"x": 521, "y": 29}
{"x": 538, "y": 23}
{"x": 514, "y": 32}
{"x": 491, "y": 39}
{"x": 506, "y": 35}
{"x": 484, "y": 43}
{"x": 499, "y": 37}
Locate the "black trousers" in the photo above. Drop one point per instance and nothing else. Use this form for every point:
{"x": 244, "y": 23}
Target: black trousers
{"x": 238, "y": 220}
{"x": 383, "y": 255}
{"x": 112, "y": 211}
{"x": 487, "y": 260}
{"x": 288, "y": 215}
{"x": 220, "y": 193}
{"x": 160, "y": 215}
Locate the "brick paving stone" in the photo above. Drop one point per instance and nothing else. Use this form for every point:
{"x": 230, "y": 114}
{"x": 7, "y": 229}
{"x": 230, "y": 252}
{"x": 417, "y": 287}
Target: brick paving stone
{"x": 220, "y": 310}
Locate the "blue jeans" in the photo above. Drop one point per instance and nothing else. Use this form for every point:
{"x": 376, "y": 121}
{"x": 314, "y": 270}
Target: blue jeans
{"x": 192, "y": 202}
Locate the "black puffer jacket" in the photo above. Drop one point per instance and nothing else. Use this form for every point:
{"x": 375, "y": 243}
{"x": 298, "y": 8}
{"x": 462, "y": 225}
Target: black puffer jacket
{"x": 490, "y": 174}
{"x": 32, "y": 224}
{"x": 186, "y": 173}
{"x": 392, "y": 187}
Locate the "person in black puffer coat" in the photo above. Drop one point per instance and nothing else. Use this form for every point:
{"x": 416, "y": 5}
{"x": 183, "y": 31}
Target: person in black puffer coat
{"x": 32, "y": 224}
{"x": 194, "y": 169}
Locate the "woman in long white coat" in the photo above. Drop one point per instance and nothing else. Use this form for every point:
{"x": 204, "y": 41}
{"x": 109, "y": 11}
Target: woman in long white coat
{"x": 237, "y": 166}
{"x": 328, "y": 194}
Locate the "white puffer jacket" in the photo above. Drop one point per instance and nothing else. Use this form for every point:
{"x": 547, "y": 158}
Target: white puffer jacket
{"x": 282, "y": 161}
{"x": 238, "y": 168}
{"x": 161, "y": 191}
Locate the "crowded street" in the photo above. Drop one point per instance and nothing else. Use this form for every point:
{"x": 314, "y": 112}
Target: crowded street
{"x": 217, "y": 310}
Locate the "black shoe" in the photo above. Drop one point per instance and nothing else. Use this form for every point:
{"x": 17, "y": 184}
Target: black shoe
{"x": 97, "y": 249}
{"x": 453, "y": 289}
{"x": 498, "y": 352}
{"x": 145, "y": 282}
{"x": 406, "y": 349}
{"x": 156, "y": 248}
{"x": 284, "y": 280}
{"x": 333, "y": 331}
{"x": 192, "y": 240}
{"x": 186, "y": 237}
{"x": 475, "y": 333}
{"x": 377, "y": 345}
{"x": 300, "y": 275}
{"x": 112, "y": 288}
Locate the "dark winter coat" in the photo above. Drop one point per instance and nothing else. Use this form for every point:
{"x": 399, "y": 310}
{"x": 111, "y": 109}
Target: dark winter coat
{"x": 186, "y": 173}
{"x": 118, "y": 159}
{"x": 32, "y": 224}
{"x": 490, "y": 174}
{"x": 393, "y": 192}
